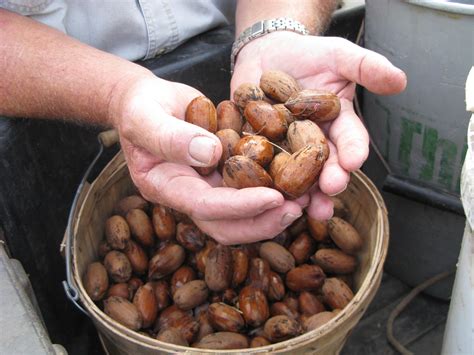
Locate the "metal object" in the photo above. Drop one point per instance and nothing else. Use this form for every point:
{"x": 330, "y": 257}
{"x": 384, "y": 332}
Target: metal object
{"x": 260, "y": 29}
{"x": 106, "y": 139}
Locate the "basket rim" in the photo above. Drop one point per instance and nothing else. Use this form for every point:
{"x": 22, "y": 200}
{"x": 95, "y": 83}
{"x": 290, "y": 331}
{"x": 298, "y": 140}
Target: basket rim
{"x": 116, "y": 166}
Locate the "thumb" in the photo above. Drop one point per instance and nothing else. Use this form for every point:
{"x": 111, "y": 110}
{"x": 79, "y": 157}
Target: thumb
{"x": 146, "y": 124}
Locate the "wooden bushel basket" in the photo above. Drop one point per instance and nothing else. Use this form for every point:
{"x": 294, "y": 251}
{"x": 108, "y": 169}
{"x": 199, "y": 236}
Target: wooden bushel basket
{"x": 367, "y": 213}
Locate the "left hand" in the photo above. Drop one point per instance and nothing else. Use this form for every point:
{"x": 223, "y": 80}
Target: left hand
{"x": 159, "y": 149}
{"x": 333, "y": 64}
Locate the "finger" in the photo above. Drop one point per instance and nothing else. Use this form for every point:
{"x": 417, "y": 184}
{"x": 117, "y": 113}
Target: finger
{"x": 180, "y": 187}
{"x": 333, "y": 178}
{"x": 351, "y": 138}
{"x": 248, "y": 71}
{"x": 147, "y": 125}
{"x": 303, "y": 201}
{"x": 214, "y": 179}
{"x": 367, "y": 68}
{"x": 321, "y": 207}
{"x": 248, "y": 230}
{"x": 138, "y": 159}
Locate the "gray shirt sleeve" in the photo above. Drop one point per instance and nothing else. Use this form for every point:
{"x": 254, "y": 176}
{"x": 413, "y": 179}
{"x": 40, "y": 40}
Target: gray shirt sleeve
{"x": 131, "y": 29}
{"x": 49, "y": 12}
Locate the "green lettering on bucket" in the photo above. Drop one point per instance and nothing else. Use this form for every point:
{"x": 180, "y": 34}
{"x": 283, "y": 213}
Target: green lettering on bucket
{"x": 409, "y": 128}
{"x": 428, "y": 151}
{"x": 386, "y": 152}
{"x": 448, "y": 159}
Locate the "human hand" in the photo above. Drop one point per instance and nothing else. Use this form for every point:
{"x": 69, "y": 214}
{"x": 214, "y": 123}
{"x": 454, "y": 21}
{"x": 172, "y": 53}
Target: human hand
{"x": 327, "y": 63}
{"x": 160, "y": 148}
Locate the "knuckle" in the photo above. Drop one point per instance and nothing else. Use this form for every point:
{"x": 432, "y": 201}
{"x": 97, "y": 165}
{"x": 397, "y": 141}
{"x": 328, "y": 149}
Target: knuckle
{"x": 168, "y": 142}
{"x": 126, "y": 128}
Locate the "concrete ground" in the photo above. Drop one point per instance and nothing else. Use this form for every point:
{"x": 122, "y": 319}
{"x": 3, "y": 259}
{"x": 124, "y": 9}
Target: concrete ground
{"x": 420, "y": 327}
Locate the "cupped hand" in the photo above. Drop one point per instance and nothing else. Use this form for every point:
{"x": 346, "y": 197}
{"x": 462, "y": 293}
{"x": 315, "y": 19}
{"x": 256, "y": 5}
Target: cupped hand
{"x": 326, "y": 63}
{"x": 161, "y": 148}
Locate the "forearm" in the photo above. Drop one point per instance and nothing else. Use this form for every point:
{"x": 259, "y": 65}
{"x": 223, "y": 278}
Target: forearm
{"x": 47, "y": 74}
{"x": 314, "y": 14}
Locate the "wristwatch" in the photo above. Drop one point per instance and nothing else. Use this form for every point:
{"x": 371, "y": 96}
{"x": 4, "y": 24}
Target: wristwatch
{"x": 260, "y": 29}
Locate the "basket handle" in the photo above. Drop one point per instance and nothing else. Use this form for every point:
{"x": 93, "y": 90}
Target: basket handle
{"x": 106, "y": 139}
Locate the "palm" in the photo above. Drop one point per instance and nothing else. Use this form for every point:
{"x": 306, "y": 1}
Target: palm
{"x": 331, "y": 64}
{"x": 313, "y": 70}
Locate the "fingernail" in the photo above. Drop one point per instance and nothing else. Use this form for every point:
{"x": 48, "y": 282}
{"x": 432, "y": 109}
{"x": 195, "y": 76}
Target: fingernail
{"x": 337, "y": 193}
{"x": 289, "y": 218}
{"x": 202, "y": 149}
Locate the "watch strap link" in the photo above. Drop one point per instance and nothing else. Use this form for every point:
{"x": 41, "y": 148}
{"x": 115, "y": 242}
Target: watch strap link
{"x": 262, "y": 28}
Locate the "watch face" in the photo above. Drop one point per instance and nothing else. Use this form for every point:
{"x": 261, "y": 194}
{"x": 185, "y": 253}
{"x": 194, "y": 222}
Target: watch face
{"x": 257, "y": 28}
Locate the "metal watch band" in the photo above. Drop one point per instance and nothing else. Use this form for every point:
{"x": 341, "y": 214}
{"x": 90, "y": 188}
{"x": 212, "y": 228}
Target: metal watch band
{"x": 260, "y": 29}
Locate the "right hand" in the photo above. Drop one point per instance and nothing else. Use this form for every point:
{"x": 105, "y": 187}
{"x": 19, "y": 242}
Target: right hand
{"x": 160, "y": 148}
{"x": 335, "y": 65}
